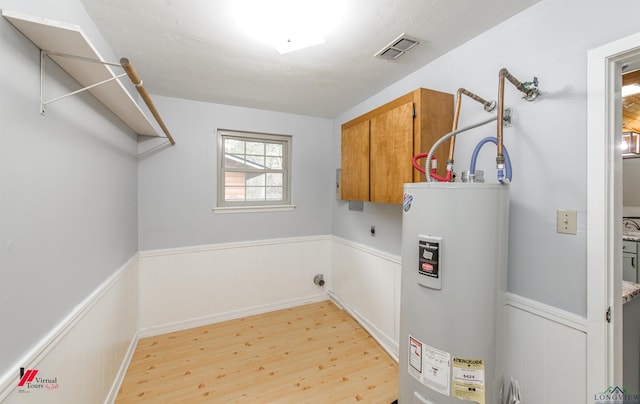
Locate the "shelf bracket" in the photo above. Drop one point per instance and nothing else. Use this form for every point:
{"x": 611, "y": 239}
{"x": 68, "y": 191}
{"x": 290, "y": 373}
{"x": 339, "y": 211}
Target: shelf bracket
{"x": 43, "y": 58}
{"x": 124, "y": 64}
{"x": 129, "y": 71}
{"x": 63, "y": 44}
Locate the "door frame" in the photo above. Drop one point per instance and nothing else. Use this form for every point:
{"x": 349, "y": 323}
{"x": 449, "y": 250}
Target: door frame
{"x": 604, "y": 211}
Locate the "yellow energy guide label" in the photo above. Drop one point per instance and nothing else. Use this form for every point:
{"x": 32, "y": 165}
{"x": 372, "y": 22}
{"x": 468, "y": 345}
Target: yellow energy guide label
{"x": 468, "y": 379}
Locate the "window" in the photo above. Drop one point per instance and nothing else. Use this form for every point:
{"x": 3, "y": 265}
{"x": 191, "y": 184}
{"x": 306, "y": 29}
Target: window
{"x": 254, "y": 170}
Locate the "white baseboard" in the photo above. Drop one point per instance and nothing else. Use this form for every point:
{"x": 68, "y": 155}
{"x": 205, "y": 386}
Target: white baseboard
{"x": 230, "y": 315}
{"x": 122, "y": 371}
{"x": 387, "y": 343}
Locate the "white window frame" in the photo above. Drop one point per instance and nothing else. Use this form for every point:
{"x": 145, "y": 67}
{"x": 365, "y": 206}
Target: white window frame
{"x": 223, "y": 206}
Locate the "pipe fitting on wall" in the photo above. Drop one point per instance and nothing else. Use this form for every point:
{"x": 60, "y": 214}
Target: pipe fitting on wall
{"x": 318, "y": 280}
{"x": 490, "y": 106}
{"x": 531, "y": 89}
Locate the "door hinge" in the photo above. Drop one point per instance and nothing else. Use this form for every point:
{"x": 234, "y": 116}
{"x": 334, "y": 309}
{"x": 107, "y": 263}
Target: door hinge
{"x": 608, "y": 314}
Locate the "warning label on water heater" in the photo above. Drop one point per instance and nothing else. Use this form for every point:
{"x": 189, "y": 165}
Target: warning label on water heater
{"x": 468, "y": 379}
{"x": 415, "y": 356}
{"x": 430, "y": 366}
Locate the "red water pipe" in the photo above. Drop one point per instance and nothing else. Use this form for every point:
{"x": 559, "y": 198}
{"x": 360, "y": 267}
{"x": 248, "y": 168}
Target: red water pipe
{"x": 434, "y": 168}
{"x": 488, "y": 106}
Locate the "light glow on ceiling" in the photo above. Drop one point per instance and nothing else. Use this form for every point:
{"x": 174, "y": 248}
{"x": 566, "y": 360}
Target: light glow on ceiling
{"x": 631, "y": 89}
{"x": 288, "y": 25}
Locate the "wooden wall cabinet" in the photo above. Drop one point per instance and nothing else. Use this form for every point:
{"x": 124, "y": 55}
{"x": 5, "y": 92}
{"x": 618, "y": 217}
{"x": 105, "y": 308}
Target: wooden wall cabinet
{"x": 377, "y": 147}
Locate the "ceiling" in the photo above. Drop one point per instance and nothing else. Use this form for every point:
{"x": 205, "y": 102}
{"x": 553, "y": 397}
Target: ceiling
{"x": 192, "y": 49}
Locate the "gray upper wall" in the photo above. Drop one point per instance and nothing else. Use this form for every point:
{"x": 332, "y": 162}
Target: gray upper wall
{"x": 178, "y": 184}
{"x": 68, "y": 188}
{"x": 547, "y": 142}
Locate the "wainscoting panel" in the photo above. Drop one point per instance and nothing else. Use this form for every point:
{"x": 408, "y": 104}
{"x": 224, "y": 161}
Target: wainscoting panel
{"x": 188, "y": 287}
{"x": 545, "y": 349}
{"x": 367, "y": 283}
{"x": 168, "y": 290}
{"x": 85, "y": 357}
{"x": 546, "y": 352}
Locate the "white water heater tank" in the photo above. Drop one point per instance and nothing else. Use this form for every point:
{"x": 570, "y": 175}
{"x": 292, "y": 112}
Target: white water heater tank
{"x": 454, "y": 278}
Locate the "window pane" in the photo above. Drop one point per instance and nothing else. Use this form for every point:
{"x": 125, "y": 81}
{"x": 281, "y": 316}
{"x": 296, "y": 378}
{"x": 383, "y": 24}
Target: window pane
{"x": 274, "y": 193}
{"x": 255, "y": 179}
{"x": 255, "y": 148}
{"x": 275, "y": 179}
{"x": 234, "y": 179}
{"x": 253, "y": 169}
{"x": 233, "y": 146}
{"x": 274, "y": 149}
{"x": 235, "y": 161}
{"x": 234, "y": 193}
{"x": 255, "y": 193}
{"x": 255, "y": 161}
{"x": 274, "y": 163}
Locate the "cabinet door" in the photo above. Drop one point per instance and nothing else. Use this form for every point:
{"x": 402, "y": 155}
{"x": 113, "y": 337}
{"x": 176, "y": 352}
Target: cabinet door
{"x": 354, "y": 176}
{"x": 391, "y": 153}
{"x": 434, "y": 119}
{"x": 629, "y": 267}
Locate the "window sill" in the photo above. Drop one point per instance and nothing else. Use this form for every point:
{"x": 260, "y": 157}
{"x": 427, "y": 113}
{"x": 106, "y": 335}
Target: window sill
{"x": 252, "y": 209}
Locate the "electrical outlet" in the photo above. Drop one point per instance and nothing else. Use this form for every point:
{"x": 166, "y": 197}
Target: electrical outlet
{"x": 567, "y": 221}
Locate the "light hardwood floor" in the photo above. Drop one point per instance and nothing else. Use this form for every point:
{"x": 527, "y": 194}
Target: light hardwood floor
{"x": 309, "y": 354}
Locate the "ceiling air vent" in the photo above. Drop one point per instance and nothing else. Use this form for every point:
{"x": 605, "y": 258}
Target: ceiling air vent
{"x": 397, "y": 47}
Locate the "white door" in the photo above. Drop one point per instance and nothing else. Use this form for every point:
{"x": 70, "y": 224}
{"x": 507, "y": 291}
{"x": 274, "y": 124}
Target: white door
{"x": 604, "y": 212}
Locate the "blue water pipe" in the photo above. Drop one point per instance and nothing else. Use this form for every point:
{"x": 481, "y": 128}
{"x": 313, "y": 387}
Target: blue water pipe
{"x": 507, "y": 161}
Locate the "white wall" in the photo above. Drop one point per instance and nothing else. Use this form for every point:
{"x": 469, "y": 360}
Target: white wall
{"x": 188, "y": 287}
{"x": 631, "y": 186}
{"x": 178, "y": 184}
{"x": 366, "y": 282}
{"x": 546, "y": 352}
{"x": 547, "y": 142}
{"x": 68, "y": 189}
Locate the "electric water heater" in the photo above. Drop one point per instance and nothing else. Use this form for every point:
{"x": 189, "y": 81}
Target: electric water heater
{"x": 454, "y": 270}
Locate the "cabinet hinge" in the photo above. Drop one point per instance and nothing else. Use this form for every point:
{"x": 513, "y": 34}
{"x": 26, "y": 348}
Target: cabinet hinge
{"x": 414, "y": 111}
{"x": 608, "y": 314}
